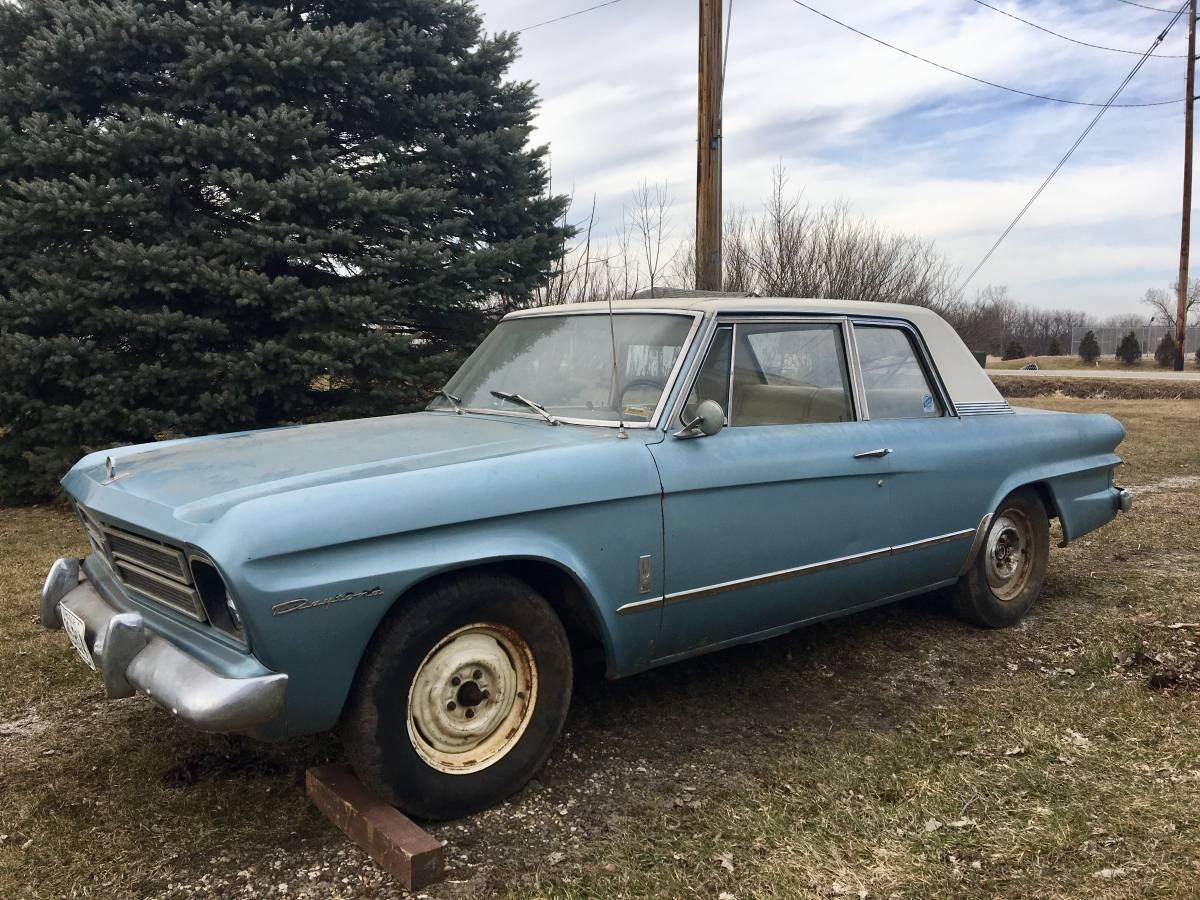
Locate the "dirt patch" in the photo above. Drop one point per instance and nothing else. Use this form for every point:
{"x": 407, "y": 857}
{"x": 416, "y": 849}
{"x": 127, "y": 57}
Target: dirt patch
{"x": 1174, "y": 485}
{"x": 239, "y": 760}
{"x": 1016, "y": 387}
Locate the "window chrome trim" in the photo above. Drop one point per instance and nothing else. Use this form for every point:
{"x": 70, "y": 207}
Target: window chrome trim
{"x": 697, "y": 318}
{"x": 857, "y": 384}
{"x": 723, "y": 319}
{"x": 924, "y": 359}
{"x": 799, "y": 571}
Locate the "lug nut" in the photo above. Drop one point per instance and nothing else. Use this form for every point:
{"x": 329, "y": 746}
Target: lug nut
{"x": 452, "y": 706}
{"x": 477, "y": 674}
{"x": 487, "y": 695}
{"x": 455, "y": 681}
{"x": 470, "y": 713}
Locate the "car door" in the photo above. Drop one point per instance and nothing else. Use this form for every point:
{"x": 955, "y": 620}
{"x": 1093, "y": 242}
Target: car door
{"x": 780, "y": 517}
{"x": 940, "y": 477}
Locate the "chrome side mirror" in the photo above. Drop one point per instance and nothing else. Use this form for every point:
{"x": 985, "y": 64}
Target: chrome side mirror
{"x": 710, "y": 419}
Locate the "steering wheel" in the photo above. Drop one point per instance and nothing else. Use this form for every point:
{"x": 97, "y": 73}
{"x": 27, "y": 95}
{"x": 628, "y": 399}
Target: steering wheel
{"x": 660, "y": 386}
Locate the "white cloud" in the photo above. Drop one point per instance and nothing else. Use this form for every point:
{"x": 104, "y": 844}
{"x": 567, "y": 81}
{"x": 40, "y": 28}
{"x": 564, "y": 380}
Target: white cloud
{"x": 921, "y": 150}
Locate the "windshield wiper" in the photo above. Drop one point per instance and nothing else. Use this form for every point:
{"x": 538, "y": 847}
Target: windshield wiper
{"x": 454, "y": 401}
{"x": 526, "y": 402}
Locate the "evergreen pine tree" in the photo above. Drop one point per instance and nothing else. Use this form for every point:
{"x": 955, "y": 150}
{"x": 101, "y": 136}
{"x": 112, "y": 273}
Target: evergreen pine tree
{"x": 1013, "y": 350}
{"x": 220, "y": 215}
{"x": 1129, "y": 350}
{"x": 1089, "y": 348}
{"x": 1055, "y": 349}
{"x": 1165, "y": 353}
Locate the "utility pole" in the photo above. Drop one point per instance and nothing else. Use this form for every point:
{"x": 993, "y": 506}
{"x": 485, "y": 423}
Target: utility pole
{"x": 1185, "y": 244}
{"x": 708, "y": 150}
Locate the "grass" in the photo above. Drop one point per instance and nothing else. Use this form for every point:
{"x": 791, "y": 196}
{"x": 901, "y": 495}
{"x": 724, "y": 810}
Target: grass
{"x": 1107, "y": 361}
{"x": 896, "y": 753}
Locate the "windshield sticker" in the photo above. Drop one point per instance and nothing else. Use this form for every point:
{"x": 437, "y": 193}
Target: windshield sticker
{"x": 927, "y": 403}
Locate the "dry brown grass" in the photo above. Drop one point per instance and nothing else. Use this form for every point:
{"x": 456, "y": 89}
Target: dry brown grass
{"x": 898, "y": 752}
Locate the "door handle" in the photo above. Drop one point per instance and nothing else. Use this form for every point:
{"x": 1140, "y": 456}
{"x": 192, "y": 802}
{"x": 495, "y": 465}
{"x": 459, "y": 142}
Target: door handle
{"x": 874, "y": 454}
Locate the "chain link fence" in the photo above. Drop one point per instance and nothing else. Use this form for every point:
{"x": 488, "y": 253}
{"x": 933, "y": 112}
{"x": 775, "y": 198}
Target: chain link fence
{"x": 1148, "y": 336}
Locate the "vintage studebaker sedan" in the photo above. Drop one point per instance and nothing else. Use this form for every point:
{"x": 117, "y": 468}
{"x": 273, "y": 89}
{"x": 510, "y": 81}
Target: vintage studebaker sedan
{"x": 658, "y": 481}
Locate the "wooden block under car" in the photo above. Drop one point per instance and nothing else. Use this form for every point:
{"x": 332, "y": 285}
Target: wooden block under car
{"x": 406, "y": 851}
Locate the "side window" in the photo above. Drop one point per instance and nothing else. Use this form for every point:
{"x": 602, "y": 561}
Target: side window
{"x": 712, "y": 382}
{"x": 790, "y": 375}
{"x": 896, "y": 383}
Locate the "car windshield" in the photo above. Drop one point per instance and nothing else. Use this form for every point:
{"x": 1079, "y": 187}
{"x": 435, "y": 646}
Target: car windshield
{"x": 564, "y": 364}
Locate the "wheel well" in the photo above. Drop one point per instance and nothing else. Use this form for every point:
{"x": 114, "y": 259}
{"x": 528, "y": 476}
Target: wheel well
{"x": 560, "y": 588}
{"x": 1043, "y": 491}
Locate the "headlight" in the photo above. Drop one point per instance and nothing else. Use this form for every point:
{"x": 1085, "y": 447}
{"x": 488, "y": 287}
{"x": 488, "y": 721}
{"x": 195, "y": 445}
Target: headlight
{"x": 222, "y": 611}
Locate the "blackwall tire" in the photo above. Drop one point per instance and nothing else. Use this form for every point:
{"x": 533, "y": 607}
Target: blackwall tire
{"x": 460, "y": 697}
{"x": 1008, "y": 572}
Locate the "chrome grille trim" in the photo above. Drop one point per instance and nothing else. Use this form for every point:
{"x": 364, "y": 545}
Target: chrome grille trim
{"x": 156, "y": 557}
{"x": 145, "y": 567}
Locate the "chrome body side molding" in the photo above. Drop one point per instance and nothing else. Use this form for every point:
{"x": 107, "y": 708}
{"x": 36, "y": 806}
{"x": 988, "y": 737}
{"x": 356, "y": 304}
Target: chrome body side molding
{"x": 810, "y": 568}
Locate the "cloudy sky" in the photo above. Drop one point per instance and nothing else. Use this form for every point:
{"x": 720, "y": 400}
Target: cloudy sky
{"x": 918, "y": 149}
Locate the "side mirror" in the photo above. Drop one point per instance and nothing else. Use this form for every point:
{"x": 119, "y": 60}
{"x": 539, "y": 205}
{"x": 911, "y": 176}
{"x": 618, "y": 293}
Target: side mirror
{"x": 710, "y": 419}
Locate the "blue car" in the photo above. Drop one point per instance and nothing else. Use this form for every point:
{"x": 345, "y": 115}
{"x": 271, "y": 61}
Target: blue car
{"x": 650, "y": 481}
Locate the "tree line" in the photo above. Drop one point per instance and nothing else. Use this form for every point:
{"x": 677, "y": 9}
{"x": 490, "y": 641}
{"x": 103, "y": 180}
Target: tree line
{"x": 792, "y": 248}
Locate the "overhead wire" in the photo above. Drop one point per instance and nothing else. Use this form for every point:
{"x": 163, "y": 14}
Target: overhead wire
{"x": 571, "y": 15}
{"x": 975, "y": 78}
{"x": 1064, "y": 37}
{"x": 1075, "y": 146}
{"x": 1144, "y": 6}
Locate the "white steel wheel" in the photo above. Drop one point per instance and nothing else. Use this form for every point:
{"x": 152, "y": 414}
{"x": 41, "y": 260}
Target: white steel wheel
{"x": 472, "y": 698}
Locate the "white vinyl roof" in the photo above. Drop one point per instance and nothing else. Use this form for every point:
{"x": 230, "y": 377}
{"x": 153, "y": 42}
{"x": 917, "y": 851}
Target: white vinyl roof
{"x": 964, "y": 377}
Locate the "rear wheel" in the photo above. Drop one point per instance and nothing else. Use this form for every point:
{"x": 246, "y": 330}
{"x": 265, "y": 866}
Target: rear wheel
{"x": 1009, "y": 570}
{"x": 460, "y": 698}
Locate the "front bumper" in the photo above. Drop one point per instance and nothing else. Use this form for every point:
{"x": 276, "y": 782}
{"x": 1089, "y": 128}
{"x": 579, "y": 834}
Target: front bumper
{"x": 131, "y": 658}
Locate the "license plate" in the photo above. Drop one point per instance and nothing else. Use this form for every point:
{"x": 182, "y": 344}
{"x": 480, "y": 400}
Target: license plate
{"x": 76, "y": 631}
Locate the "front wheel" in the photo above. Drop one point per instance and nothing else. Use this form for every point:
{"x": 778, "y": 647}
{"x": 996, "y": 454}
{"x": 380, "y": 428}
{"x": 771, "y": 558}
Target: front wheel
{"x": 460, "y": 697}
{"x": 1009, "y": 570}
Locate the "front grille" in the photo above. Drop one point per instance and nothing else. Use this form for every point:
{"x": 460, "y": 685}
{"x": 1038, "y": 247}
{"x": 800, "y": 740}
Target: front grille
{"x": 172, "y": 593}
{"x": 146, "y": 567}
{"x": 153, "y": 556}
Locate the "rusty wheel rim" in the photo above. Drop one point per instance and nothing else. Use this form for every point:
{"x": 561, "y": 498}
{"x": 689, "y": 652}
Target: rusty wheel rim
{"x": 472, "y": 698}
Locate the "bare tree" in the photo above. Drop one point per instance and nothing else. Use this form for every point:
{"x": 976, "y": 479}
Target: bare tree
{"x": 1166, "y": 304}
{"x": 648, "y": 220}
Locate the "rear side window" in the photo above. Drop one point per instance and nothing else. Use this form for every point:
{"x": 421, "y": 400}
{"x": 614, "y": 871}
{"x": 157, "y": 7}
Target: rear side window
{"x": 896, "y": 383}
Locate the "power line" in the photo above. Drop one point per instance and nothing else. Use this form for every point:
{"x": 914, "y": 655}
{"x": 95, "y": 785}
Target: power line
{"x": 1144, "y": 6}
{"x": 578, "y": 12}
{"x": 1075, "y": 146}
{"x": 725, "y": 64}
{"x": 974, "y": 78}
{"x": 1064, "y": 37}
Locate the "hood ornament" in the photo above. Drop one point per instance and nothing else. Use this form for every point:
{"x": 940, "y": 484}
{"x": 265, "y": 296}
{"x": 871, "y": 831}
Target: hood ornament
{"x": 110, "y": 471}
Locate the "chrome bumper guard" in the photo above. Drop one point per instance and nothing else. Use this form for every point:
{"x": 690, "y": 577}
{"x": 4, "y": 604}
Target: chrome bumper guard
{"x": 1124, "y": 500}
{"x": 133, "y": 658}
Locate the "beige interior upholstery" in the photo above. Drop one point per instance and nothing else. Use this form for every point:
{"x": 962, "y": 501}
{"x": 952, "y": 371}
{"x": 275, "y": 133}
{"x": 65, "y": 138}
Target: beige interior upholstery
{"x": 774, "y": 404}
{"x": 899, "y": 403}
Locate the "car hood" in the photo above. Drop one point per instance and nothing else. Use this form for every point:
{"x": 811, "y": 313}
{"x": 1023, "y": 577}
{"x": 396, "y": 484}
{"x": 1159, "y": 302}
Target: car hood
{"x": 199, "y": 478}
